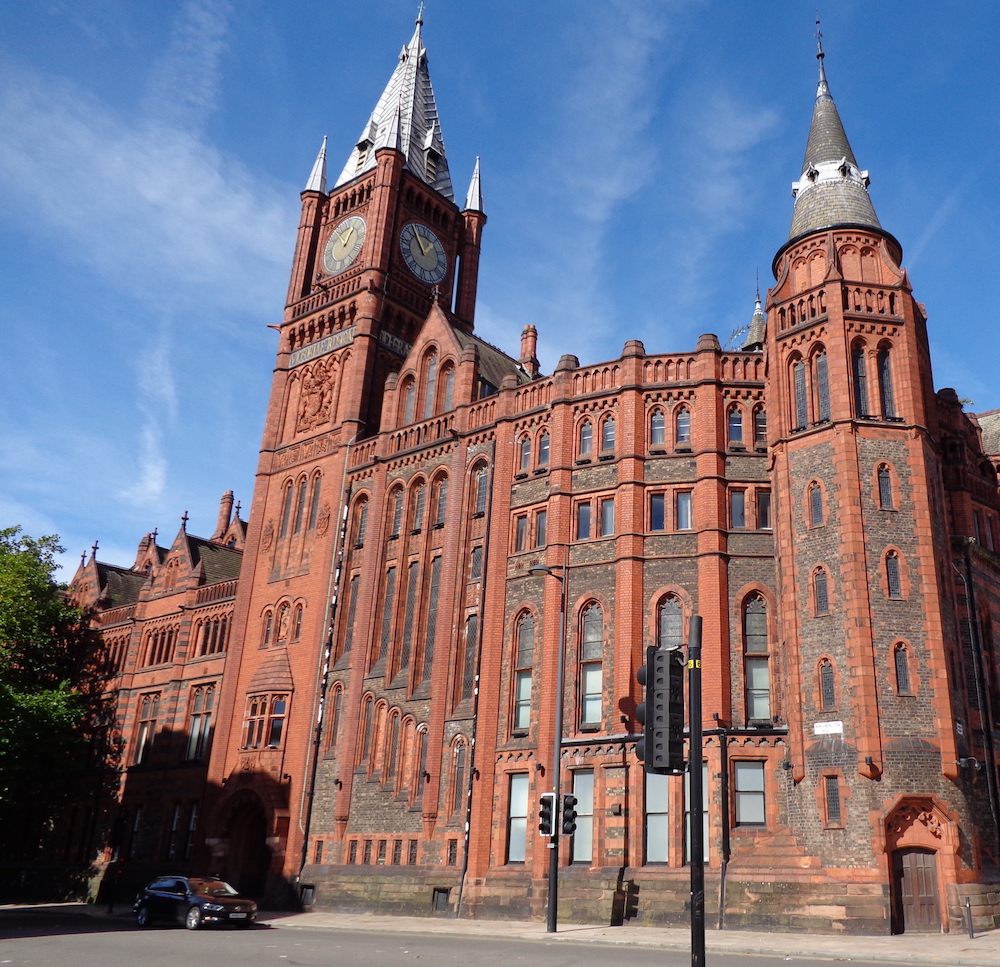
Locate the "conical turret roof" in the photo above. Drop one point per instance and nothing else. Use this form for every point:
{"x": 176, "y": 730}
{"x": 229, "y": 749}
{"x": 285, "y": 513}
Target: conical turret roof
{"x": 832, "y": 189}
{"x": 405, "y": 118}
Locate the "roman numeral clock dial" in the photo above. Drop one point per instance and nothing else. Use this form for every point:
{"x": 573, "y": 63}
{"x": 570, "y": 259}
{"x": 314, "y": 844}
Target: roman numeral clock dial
{"x": 344, "y": 244}
{"x": 423, "y": 253}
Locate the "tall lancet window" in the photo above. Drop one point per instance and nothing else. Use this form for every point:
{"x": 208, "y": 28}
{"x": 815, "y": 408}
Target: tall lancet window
{"x": 860, "y": 381}
{"x": 801, "y": 399}
{"x": 885, "y": 384}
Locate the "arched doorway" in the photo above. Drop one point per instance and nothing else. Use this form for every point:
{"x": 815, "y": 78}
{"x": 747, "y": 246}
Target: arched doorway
{"x": 921, "y": 843}
{"x": 248, "y": 859}
{"x": 915, "y": 902}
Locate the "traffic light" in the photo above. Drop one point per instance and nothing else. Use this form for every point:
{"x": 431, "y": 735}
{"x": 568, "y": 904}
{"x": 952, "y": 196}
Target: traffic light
{"x": 661, "y": 746}
{"x": 568, "y": 815}
{"x": 547, "y": 814}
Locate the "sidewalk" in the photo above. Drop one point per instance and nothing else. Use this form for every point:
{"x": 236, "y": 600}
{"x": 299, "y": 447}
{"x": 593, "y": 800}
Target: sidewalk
{"x": 954, "y": 949}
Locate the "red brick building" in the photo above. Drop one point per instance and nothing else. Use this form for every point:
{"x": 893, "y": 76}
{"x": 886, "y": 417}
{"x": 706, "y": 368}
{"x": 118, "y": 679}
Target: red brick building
{"x": 384, "y": 724}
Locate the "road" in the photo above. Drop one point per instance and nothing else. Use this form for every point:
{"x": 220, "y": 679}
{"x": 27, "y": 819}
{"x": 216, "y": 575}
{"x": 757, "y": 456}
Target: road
{"x": 40, "y": 938}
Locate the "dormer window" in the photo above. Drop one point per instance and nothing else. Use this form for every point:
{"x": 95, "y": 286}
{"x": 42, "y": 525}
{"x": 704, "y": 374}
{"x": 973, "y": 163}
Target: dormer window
{"x": 812, "y": 172}
{"x": 845, "y": 168}
{"x": 363, "y": 148}
{"x": 431, "y": 164}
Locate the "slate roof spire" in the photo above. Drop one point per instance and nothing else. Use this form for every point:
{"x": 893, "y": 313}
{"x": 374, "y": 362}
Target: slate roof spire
{"x": 832, "y": 189}
{"x": 405, "y": 118}
{"x": 758, "y": 326}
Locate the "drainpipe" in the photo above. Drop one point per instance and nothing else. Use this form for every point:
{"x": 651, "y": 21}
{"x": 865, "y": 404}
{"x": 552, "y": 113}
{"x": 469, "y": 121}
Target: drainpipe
{"x": 982, "y": 692}
{"x": 332, "y": 596}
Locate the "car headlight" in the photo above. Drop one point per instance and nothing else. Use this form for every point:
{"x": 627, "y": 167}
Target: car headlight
{"x": 214, "y": 907}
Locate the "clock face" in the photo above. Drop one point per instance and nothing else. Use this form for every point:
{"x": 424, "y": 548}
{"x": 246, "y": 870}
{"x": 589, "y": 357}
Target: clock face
{"x": 423, "y": 253}
{"x": 344, "y": 244}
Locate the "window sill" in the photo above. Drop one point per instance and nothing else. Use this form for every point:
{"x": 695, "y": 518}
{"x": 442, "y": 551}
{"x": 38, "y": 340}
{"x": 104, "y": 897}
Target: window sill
{"x": 438, "y": 526}
{"x": 521, "y": 476}
{"x": 657, "y": 450}
{"x": 541, "y": 470}
{"x": 683, "y": 450}
{"x": 606, "y": 456}
{"x": 583, "y": 460}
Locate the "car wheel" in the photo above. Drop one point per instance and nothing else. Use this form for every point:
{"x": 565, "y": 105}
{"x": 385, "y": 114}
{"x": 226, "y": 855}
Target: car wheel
{"x": 193, "y": 919}
{"x": 142, "y": 917}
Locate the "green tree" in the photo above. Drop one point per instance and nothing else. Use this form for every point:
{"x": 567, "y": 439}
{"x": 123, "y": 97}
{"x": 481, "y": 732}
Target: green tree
{"x": 45, "y": 653}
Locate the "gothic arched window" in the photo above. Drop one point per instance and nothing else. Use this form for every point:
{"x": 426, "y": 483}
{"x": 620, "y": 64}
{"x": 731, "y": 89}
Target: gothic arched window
{"x": 901, "y": 664}
{"x": 756, "y": 649}
{"x": 822, "y": 377}
{"x": 815, "y": 505}
{"x": 524, "y": 453}
{"x": 760, "y": 427}
{"x": 885, "y": 497}
{"x": 821, "y": 592}
{"x": 524, "y": 651}
{"x": 859, "y": 373}
{"x": 657, "y": 428}
{"x": 894, "y": 584}
{"x": 682, "y": 426}
{"x": 591, "y": 665}
{"x": 608, "y": 434}
{"x": 827, "y": 686}
{"x": 543, "y": 448}
{"x": 886, "y": 396}
{"x": 734, "y": 425}
{"x": 586, "y": 439}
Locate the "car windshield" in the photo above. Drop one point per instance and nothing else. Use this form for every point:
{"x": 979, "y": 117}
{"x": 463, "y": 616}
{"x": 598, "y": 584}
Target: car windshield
{"x": 211, "y": 887}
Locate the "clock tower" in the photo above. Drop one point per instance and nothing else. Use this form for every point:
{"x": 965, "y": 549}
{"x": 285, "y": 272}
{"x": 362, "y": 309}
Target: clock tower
{"x": 376, "y": 250}
{"x": 374, "y": 254}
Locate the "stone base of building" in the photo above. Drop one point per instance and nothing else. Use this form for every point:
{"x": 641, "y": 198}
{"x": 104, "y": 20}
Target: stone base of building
{"x": 786, "y": 901}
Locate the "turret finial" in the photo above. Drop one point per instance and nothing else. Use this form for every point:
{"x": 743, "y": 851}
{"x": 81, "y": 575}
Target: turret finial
{"x": 823, "y": 90}
{"x": 184, "y": 521}
{"x": 420, "y": 14}
{"x": 93, "y": 551}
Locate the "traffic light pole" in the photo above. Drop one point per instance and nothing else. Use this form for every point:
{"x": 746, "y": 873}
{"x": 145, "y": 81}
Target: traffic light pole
{"x": 552, "y": 911}
{"x": 697, "y": 794}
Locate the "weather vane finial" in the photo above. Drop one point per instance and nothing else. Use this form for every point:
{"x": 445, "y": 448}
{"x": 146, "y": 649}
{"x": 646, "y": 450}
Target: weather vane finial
{"x": 819, "y": 38}
{"x": 420, "y": 13}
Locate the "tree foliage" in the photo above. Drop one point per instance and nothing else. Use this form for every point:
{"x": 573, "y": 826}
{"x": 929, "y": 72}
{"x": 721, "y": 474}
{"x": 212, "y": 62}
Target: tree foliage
{"x": 43, "y": 653}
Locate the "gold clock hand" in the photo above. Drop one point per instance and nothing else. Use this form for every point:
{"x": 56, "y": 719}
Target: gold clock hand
{"x": 420, "y": 242}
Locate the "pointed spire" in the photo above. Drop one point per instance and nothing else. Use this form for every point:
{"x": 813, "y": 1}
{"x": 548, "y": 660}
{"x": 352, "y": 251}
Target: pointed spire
{"x": 405, "y": 118}
{"x": 474, "y": 196}
{"x": 758, "y": 326}
{"x": 832, "y": 189}
{"x": 317, "y": 178}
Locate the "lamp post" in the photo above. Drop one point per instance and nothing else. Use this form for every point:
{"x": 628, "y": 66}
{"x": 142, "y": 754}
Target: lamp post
{"x": 552, "y": 914}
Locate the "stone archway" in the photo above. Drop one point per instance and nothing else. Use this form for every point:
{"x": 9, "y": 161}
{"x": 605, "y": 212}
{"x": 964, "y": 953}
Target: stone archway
{"x": 920, "y": 845}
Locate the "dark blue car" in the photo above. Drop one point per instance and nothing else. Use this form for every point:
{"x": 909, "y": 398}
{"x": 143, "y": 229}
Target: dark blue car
{"x": 193, "y": 900}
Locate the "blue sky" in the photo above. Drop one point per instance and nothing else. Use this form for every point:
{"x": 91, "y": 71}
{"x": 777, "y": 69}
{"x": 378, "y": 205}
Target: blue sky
{"x": 637, "y": 157}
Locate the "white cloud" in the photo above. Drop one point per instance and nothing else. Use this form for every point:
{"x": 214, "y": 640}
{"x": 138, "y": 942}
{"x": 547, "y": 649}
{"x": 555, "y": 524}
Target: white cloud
{"x": 715, "y": 181}
{"x": 184, "y": 82}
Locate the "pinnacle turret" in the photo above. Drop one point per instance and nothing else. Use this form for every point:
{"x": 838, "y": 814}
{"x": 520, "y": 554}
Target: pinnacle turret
{"x": 832, "y": 189}
{"x": 474, "y": 196}
{"x": 317, "y": 177}
{"x": 406, "y": 119}
{"x": 758, "y": 327}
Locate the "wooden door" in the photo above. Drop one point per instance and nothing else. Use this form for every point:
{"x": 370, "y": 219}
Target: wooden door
{"x": 915, "y": 887}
